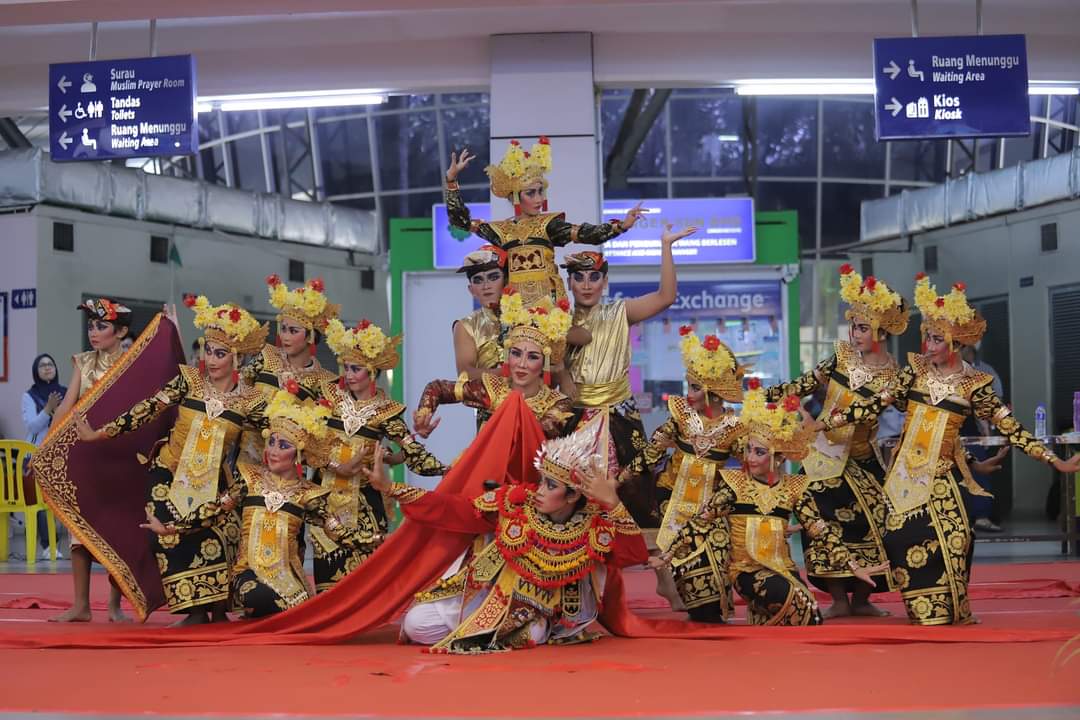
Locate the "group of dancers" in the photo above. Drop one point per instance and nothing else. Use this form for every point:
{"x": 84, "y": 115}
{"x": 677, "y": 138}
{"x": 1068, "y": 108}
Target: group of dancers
{"x": 267, "y": 443}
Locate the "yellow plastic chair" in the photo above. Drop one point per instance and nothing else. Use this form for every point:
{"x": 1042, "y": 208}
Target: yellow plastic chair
{"x": 12, "y": 500}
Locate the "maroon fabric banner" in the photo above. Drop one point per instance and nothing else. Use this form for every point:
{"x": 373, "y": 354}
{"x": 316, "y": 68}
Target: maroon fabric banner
{"x": 98, "y": 490}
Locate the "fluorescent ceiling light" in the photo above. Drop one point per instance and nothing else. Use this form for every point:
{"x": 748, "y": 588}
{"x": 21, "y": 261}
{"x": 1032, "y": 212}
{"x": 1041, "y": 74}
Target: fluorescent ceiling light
{"x": 805, "y": 87}
{"x": 288, "y": 100}
{"x": 1037, "y": 88}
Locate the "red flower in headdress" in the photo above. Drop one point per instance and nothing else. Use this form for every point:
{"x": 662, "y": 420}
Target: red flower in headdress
{"x": 544, "y": 140}
{"x": 189, "y": 300}
{"x": 685, "y": 330}
{"x": 326, "y": 403}
{"x": 539, "y": 311}
{"x": 711, "y": 343}
{"x": 753, "y": 383}
{"x": 317, "y": 285}
{"x": 940, "y": 302}
{"x": 508, "y": 290}
{"x": 517, "y": 495}
{"x": 515, "y": 143}
{"x": 273, "y": 280}
{"x": 234, "y": 315}
{"x": 363, "y": 324}
{"x": 960, "y": 287}
{"x": 919, "y": 276}
{"x": 791, "y": 403}
{"x": 771, "y": 406}
{"x": 846, "y": 269}
{"x": 292, "y": 387}
{"x": 870, "y": 283}
{"x": 564, "y": 305}
{"x": 527, "y": 155}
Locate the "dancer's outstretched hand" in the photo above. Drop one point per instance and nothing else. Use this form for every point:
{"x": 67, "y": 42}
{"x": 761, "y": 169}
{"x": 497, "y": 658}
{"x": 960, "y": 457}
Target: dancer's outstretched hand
{"x": 1072, "y": 465}
{"x": 85, "y": 432}
{"x": 377, "y": 475}
{"x": 155, "y": 526}
{"x": 669, "y": 237}
{"x": 990, "y": 464}
{"x": 866, "y": 573}
{"x": 458, "y": 163}
{"x": 424, "y": 423}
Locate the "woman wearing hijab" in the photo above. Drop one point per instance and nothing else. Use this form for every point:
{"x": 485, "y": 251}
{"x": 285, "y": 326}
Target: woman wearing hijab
{"x": 39, "y": 403}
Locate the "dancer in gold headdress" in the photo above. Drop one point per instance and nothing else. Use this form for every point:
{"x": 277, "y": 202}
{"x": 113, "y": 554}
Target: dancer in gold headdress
{"x": 535, "y": 344}
{"x": 928, "y": 538}
{"x": 745, "y": 525}
{"x": 189, "y": 473}
{"x": 542, "y": 578}
{"x": 843, "y": 466}
{"x": 704, "y": 433}
{"x": 531, "y": 236}
{"x": 362, "y": 416}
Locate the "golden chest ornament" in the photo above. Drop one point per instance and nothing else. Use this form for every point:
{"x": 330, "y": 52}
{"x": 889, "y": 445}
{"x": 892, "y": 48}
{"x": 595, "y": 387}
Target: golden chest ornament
{"x": 705, "y": 439}
{"x": 940, "y": 387}
{"x": 356, "y": 415}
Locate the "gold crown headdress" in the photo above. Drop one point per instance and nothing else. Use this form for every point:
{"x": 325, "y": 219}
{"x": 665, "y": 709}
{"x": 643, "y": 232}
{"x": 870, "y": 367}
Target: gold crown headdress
{"x": 950, "y": 315}
{"x": 107, "y": 310}
{"x": 584, "y": 451}
{"x": 872, "y": 300}
{"x": 306, "y": 305}
{"x": 519, "y": 169}
{"x": 228, "y": 325}
{"x": 366, "y": 345}
{"x": 777, "y": 426}
{"x": 301, "y": 423}
{"x": 711, "y": 364}
{"x": 544, "y": 323}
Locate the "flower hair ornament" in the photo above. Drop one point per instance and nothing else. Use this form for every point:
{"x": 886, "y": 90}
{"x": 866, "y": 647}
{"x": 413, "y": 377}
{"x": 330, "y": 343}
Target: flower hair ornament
{"x": 872, "y": 301}
{"x": 519, "y": 169}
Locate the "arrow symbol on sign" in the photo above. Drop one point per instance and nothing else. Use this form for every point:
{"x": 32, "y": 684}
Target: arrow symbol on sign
{"x": 64, "y": 113}
{"x": 65, "y": 140}
{"x": 895, "y": 106}
{"x": 892, "y": 70}
{"x": 64, "y": 84}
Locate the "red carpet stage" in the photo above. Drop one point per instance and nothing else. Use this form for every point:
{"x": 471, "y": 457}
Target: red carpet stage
{"x": 1015, "y": 658}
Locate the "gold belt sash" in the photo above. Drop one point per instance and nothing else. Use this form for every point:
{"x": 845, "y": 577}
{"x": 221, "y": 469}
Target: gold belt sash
{"x": 604, "y": 394}
{"x": 693, "y": 488}
{"x": 195, "y": 480}
{"x": 829, "y": 453}
{"x": 269, "y": 555}
{"x": 908, "y": 481}
{"x": 766, "y": 542}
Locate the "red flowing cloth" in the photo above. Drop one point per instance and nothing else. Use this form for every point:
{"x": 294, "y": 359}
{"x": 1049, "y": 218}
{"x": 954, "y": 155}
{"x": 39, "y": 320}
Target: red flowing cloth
{"x": 413, "y": 557}
{"x": 98, "y": 490}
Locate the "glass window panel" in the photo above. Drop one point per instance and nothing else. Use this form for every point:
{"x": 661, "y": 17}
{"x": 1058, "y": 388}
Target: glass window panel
{"x": 704, "y": 189}
{"x": 346, "y": 156}
{"x": 469, "y": 127}
{"x": 367, "y": 203}
{"x": 248, "y": 164}
{"x": 787, "y": 136}
{"x": 651, "y": 157}
{"x": 404, "y": 102}
{"x": 464, "y": 98}
{"x": 701, "y": 136}
{"x": 849, "y": 148}
{"x": 918, "y": 160}
{"x": 798, "y": 196}
{"x": 408, "y": 150}
{"x": 840, "y": 211}
{"x": 637, "y": 191}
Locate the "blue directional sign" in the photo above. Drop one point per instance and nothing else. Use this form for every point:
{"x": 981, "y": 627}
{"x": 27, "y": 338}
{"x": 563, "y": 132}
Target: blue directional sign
{"x": 139, "y": 107}
{"x": 24, "y": 299}
{"x": 967, "y": 86}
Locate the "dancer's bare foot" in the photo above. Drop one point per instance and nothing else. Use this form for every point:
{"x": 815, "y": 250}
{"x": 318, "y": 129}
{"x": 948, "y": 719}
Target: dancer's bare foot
{"x": 837, "y": 610}
{"x": 74, "y": 614}
{"x": 868, "y": 609}
{"x": 665, "y": 588}
{"x": 116, "y": 615}
{"x": 199, "y": 617}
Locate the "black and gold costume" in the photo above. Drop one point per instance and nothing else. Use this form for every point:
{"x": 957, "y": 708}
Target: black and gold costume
{"x": 187, "y": 477}
{"x": 743, "y": 531}
{"x": 530, "y": 242}
{"x": 360, "y": 426}
{"x": 702, "y": 447}
{"x": 269, "y": 574}
{"x": 552, "y": 408}
{"x": 928, "y": 536}
{"x": 846, "y": 474}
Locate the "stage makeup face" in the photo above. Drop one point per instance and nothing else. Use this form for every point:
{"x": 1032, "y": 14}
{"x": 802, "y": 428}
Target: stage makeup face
{"x": 526, "y": 360}
{"x": 357, "y": 379}
{"x": 294, "y": 338}
{"x": 554, "y": 499}
{"x": 587, "y": 287}
{"x": 758, "y": 459}
{"x": 219, "y": 361}
{"x": 104, "y": 335}
{"x": 532, "y": 199}
{"x": 486, "y": 286}
{"x": 280, "y": 455}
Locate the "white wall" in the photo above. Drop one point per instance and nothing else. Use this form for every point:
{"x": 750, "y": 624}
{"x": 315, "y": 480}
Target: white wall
{"x": 18, "y": 269}
{"x": 112, "y": 257}
{"x": 991, "y": 256}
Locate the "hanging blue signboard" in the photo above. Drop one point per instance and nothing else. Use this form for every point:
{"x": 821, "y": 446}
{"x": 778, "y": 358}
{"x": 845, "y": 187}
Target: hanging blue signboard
{"x": 966, "y": 86}
{"x": 725, "y": 232}
{"x": 138, "y": 107}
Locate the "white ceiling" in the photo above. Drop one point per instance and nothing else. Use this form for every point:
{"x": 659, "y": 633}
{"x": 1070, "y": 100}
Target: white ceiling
{"x": 275, "y": 45}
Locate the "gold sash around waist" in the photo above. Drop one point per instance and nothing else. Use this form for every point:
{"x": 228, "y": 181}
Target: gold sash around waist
{"x": 604, "y": 394}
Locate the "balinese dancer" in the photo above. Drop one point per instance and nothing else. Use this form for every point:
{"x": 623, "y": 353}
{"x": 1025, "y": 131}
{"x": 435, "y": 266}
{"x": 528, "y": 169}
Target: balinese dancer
{"x": 534, "y": 344}
{"x": 301, "y": 321}
{"x": 704, "y": 434}
{"x": 531, "y": 236}
{"x": 477, "y": 336}
{"x": 362, "y": 416}
{"x": 189, "y": 473}
{"x": 541, "y": 579}
{"x": 843, "y": 467}
{"x": 928, "y": 538}
{"x": 107, "y": 324}
{"x": 757, "y": 503}
{"x": 597, "y": 375}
